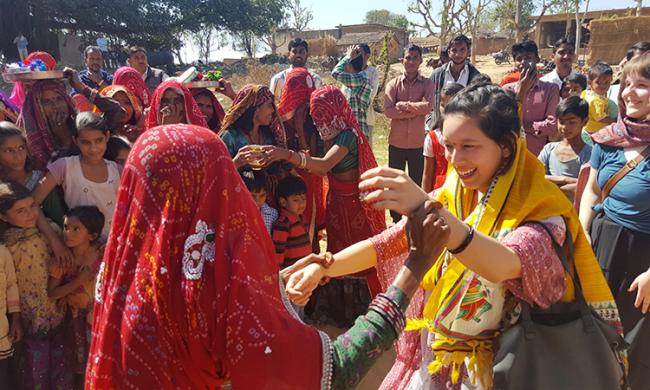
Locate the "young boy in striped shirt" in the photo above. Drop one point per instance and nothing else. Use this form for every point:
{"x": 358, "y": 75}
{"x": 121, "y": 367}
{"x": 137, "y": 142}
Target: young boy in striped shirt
{"x": 290, "y": 233}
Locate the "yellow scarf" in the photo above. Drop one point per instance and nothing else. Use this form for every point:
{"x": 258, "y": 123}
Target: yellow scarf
{"x": 463, "y": 309}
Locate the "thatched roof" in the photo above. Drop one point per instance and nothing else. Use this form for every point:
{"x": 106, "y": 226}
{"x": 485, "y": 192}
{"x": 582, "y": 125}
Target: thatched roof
{"x": 425, "y": 41}
{"x": 366, "y": 37}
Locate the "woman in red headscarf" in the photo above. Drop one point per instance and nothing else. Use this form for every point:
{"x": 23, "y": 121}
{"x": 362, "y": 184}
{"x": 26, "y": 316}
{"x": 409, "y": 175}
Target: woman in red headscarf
{"x": 348, "y": 221}
{"x": 302, "y": 136}
{"x": 189, "y": 295}
{"x": 18, "y": 93}
{"x": 133, "y": 123}
{"x": 132, "y": 80}
{"x": 173, "y": 103}
{"x": 210, "y": 107}
{"x": 48, "y": 117}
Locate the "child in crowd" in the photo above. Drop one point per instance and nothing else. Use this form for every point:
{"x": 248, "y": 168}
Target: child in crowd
{"x": 15, "y": 166}
{"x": 117, "y": 149}
{"x": 75, "y": 285}
{"x": 43, "y": 358}
{"x": 435, "y": 163}
{"x": 573, "y": 85}
{"x": 10, "y": 328}
{"x": 563, "y": 159}
{"x": 602, "y": 111}
{"x": 255, "y": 181}
{"x": 290, "y": 234}
{"x": 87, "y": 179}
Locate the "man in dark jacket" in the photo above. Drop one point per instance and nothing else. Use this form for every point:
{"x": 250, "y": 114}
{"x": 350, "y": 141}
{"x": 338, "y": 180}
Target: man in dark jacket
{"x": 457, "y": 70}
{"x": 152, "y": 77}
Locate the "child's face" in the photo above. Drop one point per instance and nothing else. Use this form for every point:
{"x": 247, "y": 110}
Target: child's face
{"x": 259, "y": 197}
{"x": 295, "y": 204}
{"x": 122, "y": 156}
{"x": 601, "y": 84}
{"x": 23, "y": 214}
{"x": 92, "y": 144}
{"x": 571, "y": 89}
{"x": 570, "y": 125}
{"x": 75, "y": 233}
{"x": 636, "y": 95}
{"x": 13, "y": 154}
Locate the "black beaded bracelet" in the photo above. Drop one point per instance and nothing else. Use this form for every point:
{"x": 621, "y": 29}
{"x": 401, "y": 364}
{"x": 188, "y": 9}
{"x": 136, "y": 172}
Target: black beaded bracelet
{"x": 463, "y": 245}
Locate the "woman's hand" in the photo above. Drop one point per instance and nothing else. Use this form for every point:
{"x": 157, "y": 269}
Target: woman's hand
{"x": 73, "y": 78}
{"x": 272, "y": 153}
{"x": 169, "y": 115}
{"x": 391, "y": 189}
{"x": 642, "y": 285}
{"x": 302, "y": 263}
{"x": 427, "y": 234}
{"x": 226, "y": 89}
{"x": 245, "y": 156}
{"x": 302, "y": 283}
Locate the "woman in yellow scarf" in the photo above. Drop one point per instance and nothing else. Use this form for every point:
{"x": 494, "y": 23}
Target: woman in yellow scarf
{"x": 494, "y": 259}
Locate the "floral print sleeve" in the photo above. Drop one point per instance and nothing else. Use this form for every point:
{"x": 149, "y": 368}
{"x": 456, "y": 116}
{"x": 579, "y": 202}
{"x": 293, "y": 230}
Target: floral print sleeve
{"x": 542, "y": 280}
{"x": 355, "y": 351}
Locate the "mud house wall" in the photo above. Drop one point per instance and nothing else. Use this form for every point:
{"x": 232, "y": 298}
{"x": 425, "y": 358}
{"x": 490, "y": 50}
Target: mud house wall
{"x": 610, "y": 38}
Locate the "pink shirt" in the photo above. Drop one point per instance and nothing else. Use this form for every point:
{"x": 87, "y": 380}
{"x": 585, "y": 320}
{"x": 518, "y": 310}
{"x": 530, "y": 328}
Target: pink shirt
{"x": 407, "y": 128}
{"x": 538, "y": 110}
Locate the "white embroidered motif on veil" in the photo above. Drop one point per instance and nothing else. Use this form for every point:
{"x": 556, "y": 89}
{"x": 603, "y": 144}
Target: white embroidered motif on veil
{"x": 199, "y": 248}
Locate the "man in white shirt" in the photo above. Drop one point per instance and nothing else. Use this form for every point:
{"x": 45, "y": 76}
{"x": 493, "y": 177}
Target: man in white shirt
{"x": 564, "y": 54}
{"x": 298, "y": 55}
{"x": 457, "y": 70}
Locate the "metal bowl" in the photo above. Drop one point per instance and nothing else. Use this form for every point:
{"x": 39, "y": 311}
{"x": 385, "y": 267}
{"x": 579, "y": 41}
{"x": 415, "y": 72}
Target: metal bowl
{"x": 32, "y": 75}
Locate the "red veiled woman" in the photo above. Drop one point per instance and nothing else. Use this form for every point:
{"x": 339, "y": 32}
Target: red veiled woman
{"x": 189, "y": 294}
{"x": 302, "y": 136}
{"x": 19, "y": 92}
{"x": 132, "y": 80}
{"x": 133, "y": 123}
{"x": 210, "y": 107}
{"x": 348, "y": 221}
{"x": 47, "y": 118}
{"x": 173, "y": 103}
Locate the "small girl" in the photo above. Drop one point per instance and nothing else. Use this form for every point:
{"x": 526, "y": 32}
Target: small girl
{"x": 43, "y": 360}
{"x": 16, "y": 166}
{"x": 82, "y": 229}
{"x": 117, "y": 149}
{"x": 435, "y": 163}
{"x": 87, "y": 179}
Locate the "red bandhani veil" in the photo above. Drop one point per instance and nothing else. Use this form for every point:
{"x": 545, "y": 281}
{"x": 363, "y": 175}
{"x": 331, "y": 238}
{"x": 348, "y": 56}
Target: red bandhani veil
{"x": 131, "y": 79}
{"x": 298, "y": 87}
{"x": 188, "y": 295}
{"x": 193, "y": 114}
{"x": 332, "y": 114}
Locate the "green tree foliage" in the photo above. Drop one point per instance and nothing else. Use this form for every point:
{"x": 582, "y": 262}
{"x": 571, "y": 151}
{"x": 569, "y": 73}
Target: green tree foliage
{"x": 387, "y": 18}
{"x": 150, "y": 23}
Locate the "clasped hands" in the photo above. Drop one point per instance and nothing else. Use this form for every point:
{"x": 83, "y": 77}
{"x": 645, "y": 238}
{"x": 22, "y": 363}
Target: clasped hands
{"x": 427, "y": 232}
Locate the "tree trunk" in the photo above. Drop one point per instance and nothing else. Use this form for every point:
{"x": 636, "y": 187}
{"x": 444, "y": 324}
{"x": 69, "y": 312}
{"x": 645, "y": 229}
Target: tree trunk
{"x": 578, "y": 28}
{"x": 517, "y": 19}
{"x": 639, "y": 7}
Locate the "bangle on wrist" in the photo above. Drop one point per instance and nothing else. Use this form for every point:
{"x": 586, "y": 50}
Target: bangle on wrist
{"x": 463, "y": 245}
